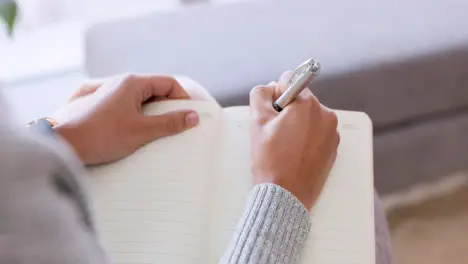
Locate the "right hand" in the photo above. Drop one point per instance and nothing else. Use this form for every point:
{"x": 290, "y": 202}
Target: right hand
{"x": 295, "y": 148}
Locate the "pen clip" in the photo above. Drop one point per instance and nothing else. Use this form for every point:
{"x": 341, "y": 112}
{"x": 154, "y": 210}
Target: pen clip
{"x": 302, "y": 77}
{"x": 307, "y": 68}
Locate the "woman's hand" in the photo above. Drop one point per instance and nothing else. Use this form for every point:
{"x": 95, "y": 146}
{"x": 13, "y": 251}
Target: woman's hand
{"x": 295, "y": 148}
{"x": 115, "y": 126}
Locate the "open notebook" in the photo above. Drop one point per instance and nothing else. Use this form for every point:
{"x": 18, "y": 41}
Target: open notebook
{"x": 177, "y": 200}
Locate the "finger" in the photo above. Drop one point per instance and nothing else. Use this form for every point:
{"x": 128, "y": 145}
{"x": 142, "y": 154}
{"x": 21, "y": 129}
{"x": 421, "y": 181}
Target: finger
{"x": 195, "y": 90}
{"x": 164, "y": 86}
{"x": 305, "y": 103}
{"x": 168, "y": 124}
{"x": 261, "y": 103}
{"x": 85, "y": 90}
{"x": 306, "y": 95}
{"x": 304, "y": 99}
{"x": 147, "y": 86}
{"x": 283, "y": 83}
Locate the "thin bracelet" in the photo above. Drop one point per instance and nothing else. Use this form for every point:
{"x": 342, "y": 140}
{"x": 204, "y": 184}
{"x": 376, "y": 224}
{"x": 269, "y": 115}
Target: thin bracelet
{"x": 43, "y": 126}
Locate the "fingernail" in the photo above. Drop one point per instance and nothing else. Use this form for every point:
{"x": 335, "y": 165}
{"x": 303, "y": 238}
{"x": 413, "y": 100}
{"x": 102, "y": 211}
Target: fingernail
{"x": 272, "y": 83}
{"x": 191, "y": 119}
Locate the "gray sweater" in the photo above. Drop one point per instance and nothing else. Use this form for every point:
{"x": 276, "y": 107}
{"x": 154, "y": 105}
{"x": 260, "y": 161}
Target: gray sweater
{"x": 45, "y": 217}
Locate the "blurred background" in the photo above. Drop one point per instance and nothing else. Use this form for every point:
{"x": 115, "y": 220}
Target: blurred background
{"x": 405, "y": 63}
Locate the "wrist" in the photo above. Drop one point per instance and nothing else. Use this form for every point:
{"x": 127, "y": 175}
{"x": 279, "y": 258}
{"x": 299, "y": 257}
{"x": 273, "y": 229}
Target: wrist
{"x": 305, "y": 195}
{"x": 282, "y": 195}
{"x": 72, "y": 135}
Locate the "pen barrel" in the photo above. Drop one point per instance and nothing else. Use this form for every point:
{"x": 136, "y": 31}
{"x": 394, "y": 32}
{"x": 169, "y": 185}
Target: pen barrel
{"x": 294, "y": 90}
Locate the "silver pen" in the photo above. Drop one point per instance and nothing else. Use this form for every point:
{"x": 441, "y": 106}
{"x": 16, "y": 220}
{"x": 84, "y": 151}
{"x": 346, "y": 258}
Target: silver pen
{"x": 302, "y": 78}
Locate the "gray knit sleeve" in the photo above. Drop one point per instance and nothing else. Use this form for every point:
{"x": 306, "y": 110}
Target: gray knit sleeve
{"x": 273, "y": 228}
{"x": 45, "y": 214}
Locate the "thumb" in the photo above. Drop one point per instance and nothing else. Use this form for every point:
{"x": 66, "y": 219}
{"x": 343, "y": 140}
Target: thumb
{"x": 169, "y": 124}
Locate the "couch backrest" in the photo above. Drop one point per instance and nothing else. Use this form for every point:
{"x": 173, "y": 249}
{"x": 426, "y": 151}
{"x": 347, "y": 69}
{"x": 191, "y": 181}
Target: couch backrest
{"x": 231, "y": 47}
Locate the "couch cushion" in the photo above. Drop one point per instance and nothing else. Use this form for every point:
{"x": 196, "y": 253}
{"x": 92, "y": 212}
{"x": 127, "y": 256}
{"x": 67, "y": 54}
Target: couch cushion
{"x": 396, "y": 60}
{"x": 423, "y": 153}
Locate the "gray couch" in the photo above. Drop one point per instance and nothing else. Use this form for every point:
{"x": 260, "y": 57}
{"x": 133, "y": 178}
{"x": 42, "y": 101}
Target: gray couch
{"x": 405, "y": 63}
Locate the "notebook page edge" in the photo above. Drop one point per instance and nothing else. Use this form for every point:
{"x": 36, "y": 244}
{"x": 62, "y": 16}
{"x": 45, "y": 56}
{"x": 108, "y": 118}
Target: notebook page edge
{"x": 135, "y": 255}
{"x": 361, "y": 122}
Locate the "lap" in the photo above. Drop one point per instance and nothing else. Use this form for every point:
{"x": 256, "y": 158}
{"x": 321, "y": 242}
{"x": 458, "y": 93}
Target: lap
{"x": 382, "y": 234}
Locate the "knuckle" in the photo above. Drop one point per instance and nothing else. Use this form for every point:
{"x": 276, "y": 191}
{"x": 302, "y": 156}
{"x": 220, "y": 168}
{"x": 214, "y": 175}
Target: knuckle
{"x": 311, "y": 101}
{"x": 260, "y": 119}
{"x": 171, "y": 79}
{"x": 166, "y": 78}
{"x": 333, "y": 119}
{"x": 129, "y": 78}
{"x": 258, "y": 90}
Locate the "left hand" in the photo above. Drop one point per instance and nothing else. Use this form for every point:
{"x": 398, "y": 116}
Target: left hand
{"x": 115, "y": 126}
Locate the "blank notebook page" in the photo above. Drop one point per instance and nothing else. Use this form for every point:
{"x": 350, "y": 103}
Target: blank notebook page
{"x": 343, "y": 218}
{"x": 152, "y": 207}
